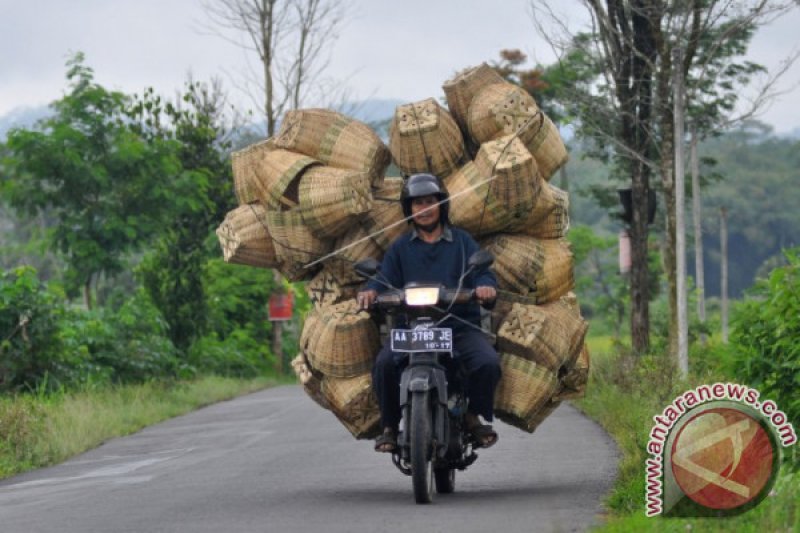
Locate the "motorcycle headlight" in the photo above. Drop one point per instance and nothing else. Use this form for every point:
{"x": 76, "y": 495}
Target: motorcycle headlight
{"x": 422, "y": 295}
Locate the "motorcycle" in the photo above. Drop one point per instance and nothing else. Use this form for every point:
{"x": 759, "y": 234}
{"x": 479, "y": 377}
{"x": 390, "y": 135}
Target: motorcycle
{"x": 433, "y": 441}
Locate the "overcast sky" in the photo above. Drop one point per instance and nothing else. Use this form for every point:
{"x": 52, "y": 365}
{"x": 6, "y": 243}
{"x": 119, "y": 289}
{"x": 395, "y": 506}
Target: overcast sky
{"x": 400, "y": 49}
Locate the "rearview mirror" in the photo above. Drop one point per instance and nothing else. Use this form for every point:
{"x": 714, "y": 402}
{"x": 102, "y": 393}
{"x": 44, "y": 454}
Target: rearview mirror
{"x": 367, "y": 268}
{"x": 480, "y": 260}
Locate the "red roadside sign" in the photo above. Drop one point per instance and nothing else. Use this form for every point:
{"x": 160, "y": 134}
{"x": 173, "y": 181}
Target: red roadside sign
{"x": 281, "y": 306}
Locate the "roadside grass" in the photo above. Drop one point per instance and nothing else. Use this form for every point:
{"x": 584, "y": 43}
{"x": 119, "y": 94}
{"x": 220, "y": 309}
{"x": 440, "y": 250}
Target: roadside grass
{"x": 38, "y": 429}
{"x": 623, "y": 395}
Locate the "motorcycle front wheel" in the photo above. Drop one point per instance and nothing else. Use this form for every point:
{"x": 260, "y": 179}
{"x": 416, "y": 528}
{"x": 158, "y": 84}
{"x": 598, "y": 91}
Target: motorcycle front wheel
{"x": 421, "y": 447}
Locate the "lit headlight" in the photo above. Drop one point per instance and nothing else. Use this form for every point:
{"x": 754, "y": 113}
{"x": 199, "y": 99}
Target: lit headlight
{"x": 422, "y": 295}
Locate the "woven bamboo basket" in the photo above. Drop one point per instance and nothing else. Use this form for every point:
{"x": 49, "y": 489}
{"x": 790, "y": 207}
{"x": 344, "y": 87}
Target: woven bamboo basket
{"x": 536, "y": 420}
{"x": 245, "y": 163}
{"x": 516, "y": 181}
{"x": 549, "y": 218}
{"x": 423, "y": 137}
{"x": 464, "y": 86}
{"x": 336, "y": 140}
{"x": 354, "y": 404}
{"x": 524, "y": 390}
{"x": 295, "y": 244}
{"x": 503, "y": 304}
{"x": 385, "y": 221}
{"x": 245, "y": 239}
{"x": 278, "y": 178}
{"x": 345, "y": 341}
{"x": 575, "y": 380}
{"x": 355, "y": 245}
{"x": 324, "y": 289}
{"x": 311, "y": 382}
{"x": 545, "y": 334}
{"x": 332, "y": 199}
{"x": 541, "y": 269}
{"x": 544, "y": 141}
{"x": 500, "y": 109}
{"x": 473, "y": 205}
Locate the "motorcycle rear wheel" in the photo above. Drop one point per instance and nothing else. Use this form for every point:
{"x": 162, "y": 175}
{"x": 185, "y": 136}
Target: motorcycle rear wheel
{"x": 421, "y": 447}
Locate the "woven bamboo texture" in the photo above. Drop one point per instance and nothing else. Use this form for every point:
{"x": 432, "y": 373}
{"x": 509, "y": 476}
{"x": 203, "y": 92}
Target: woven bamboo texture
{"x": 341, "y": 341}
{"x": 473, "y": 205}
{"x": 245, "y": 239}
{"x": 423, "y": 137}
{"x": 503, "y": 304}
{"x": 541, "y": 269}
{"x": 354, "y": 404}
{"x": 524, "y": 390}
{"x": 278, "y": 177}
{"x": 544, "y": 141}
{"x": 336, "y": 140}
{"x": 549, "y": 218}
{"x": 332, "y": 200}
{"x": 311, "y": 382}
{"x": 464, "y": 86}
{"x": 500, "y": 109}
{"x": 325, "y": 289}
{"x": 385, "y": 221}
{"x": 548, "y": 334}
{"x": 356, "y": 245}
{"x": 516, "y": 181}
{"x": 295, "y": 244}
{"x": 245, "y": 163}
{"x": 575, "y": 380}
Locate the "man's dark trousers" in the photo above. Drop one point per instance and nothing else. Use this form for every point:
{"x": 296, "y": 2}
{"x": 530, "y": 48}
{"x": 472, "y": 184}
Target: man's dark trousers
{"x": 471, "y": 349}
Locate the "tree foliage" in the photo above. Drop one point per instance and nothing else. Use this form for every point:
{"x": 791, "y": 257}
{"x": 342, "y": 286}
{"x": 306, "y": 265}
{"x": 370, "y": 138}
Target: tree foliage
{"x": 172, "y": 269}
{"x": 766, "y": 335}
{"x": 103, "y": 183}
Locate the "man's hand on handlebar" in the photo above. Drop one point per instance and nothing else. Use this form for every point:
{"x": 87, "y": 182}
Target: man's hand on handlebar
{"x": 366, "y": 298}
{"x": 485, "y": 295}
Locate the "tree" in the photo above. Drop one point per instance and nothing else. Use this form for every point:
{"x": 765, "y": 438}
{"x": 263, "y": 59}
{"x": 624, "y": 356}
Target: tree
{"x": 172, "y": 271}
{"x": 102, "y": 182}
{"x": 292, "y": 39}
{"x": 629, "y": 51}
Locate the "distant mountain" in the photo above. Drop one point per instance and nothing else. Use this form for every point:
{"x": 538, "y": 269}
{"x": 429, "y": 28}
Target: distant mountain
{"x": 794, "y": 134}
{"x": 23, "y": 117}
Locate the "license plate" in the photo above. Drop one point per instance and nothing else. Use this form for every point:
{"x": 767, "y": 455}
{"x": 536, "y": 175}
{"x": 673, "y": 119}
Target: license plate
{"x": 422, "y": 340}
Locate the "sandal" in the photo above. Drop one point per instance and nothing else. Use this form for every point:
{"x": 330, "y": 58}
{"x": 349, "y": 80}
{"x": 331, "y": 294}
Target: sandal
{"x": 484, "y": 435}
{"x": 386, "y": 442}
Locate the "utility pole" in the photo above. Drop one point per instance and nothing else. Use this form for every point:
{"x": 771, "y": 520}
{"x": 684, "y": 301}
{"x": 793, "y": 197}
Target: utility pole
{"x": 723, "y": 248}
{"x": 680, "y": 229}
{"x": 699, "y": 267}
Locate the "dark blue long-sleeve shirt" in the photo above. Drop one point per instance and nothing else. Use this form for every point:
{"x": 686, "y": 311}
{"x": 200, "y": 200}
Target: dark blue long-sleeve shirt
{"x": 410, "y": 259}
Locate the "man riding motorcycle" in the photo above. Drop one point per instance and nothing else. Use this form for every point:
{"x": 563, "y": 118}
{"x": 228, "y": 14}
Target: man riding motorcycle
{"x": 435, "y": 251}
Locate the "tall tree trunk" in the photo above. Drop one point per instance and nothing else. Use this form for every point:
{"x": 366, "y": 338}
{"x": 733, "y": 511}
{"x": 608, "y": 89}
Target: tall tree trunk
{"x": 723, "y": 247}
{"x": 699, "y": 263}
{"x": 87, "y": 293}
{"x": 680, "y": 218}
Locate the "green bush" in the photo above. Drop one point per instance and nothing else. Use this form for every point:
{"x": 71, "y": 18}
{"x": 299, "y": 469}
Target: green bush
{"x": 765, "y": 334}
{"x": 31, "y": 348}
{"x": 126, "y": 345}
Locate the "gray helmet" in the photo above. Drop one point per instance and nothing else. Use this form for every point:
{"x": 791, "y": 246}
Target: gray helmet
{"x": 419, "y": 185}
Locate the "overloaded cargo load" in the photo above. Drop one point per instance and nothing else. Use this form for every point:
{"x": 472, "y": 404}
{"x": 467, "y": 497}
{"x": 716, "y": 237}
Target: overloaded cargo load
{"x": 314, "y": 200}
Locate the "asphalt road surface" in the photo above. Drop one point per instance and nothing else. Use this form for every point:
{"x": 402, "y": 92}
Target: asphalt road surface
{"x": 274, "y": 461}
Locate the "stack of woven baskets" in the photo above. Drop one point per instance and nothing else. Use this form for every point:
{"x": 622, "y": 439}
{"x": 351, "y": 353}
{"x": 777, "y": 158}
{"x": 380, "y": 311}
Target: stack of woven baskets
{"x": 314, "y": 200}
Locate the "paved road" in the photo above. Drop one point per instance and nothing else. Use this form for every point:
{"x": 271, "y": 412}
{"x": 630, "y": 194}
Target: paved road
{"x": 275, "y": 462}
